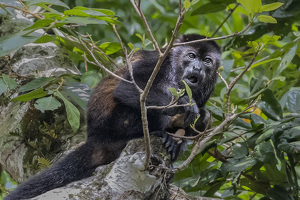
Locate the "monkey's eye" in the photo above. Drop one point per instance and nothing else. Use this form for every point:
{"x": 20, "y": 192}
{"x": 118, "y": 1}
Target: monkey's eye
{"x": 191, "y": 55}
{"x": 207, "y": 60}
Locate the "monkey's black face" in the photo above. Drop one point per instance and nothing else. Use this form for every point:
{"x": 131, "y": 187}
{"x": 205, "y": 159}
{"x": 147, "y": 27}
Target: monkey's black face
{"x": 199, "y": 65}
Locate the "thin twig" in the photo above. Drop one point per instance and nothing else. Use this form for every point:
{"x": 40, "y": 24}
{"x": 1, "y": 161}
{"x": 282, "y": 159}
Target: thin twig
{"x": 128, "y": 61}
{"x": 23, "y": 10}
{"x": 213, "y": 39}
{"x": 235, "y": 80}
{"x": 224, "y": 81}
{"x": 143, "y": 18}
{"x": 109, "y": 58}
{"x": 192, "y": 137}
{"x": 200, "y": 145}
{"x": 231, "y": 11}
{"x": 170, "y": 105}
{"x": 23, "y": 5}
{"x": 98, "y": 64}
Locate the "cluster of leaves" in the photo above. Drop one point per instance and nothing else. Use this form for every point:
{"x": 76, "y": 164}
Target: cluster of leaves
{"x": 78, "y": 88}
{"x": 257, "y": 156}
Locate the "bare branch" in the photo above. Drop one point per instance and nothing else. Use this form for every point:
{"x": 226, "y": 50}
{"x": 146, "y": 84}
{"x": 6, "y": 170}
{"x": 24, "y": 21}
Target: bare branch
{"x": 221, "y": 77}
{"x": 213, "y": 39}
{"x": 109, "y": 58}
{"x": 161, "y": 58}
{"x": 23, "y": 10}
{"x": 231, "y": 11}
{"x": 23, "y": 5}
{"x": 235, "y": 80}
{"x": 143, "y": 18}
{"x": 200, "y": 145}
{"x": 171, "y": 105}
{"x": 99, "y": 64}
{"x": 128, "y": 61}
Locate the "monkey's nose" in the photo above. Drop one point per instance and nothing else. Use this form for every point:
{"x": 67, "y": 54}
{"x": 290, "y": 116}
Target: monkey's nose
{"x": 197, "y": 68}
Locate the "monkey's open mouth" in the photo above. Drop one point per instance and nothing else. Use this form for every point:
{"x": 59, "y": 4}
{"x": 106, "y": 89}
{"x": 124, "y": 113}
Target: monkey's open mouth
{"x": 193, "y": 79}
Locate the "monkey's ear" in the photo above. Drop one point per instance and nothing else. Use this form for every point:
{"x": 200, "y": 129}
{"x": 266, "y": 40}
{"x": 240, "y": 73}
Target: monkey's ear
{"x": 189, "y": 37}
{"x": 180, "y": 39}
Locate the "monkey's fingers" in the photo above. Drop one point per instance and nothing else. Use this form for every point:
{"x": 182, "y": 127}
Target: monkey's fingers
{"x": 173, "y": 144}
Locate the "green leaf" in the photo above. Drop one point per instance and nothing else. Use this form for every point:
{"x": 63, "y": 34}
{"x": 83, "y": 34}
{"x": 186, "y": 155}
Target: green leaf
{"x": 264, "y": 62}
{"x": 267, "y": 19}
{"x": 293, "y": 101}
{"x": 209, "y": 8}
{"x": 256, "y": 5}
{"x": 79, "y": 92}
{"x": 265, "y": 136}
{"x": 188, "y": 90}
{"x": 256, "y": 84}
{"x": 45, "y": 39}
{"x": 3, "y": 86}
{"x": 72, "y": 112}
{"x": 246, "y": 4}
{"x": 99, "y": 14}
{"x": 110, "y": 47}
{"x": 257, "y": 121}
{"x": 280, "y": 78}
{"x": 12, "y": 84}
{"x": 141, "y": 37}
{"x": 187, "y": 4}
{"x": 265, "y": 153}
{"x": 270, "y": 7}
{"x": 270, "y": 106}
{"x": 47, "y": 103}
{"x": 40, "y": 24}
{"x": 95, "y": 11}
{"x": 54, "y": 2}
{"x": 81, "y": 20}
{"x": 289, "y": 51}
{"x": 240, "y": 122}
{"x": 240, "y": 165}
{"x": 13, "y": 42}
{"x": 91, "y": 78}
{"x": 131, "y": 46}
{"x": 279, "y": 193}
{"x": 36, "y": 83}
{"x": 240, "y": 150}
{"x": 31, "y": 95}
{"x": 251, "y": 5}
{"x": 176, "y": 93}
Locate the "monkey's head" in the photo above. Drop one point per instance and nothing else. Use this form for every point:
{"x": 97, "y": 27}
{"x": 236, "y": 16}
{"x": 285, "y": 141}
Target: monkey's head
{"x": 198, "y": 63}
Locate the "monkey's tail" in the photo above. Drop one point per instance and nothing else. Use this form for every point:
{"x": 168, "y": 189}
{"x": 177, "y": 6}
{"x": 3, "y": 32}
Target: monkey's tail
{"x": 77, "y": 165}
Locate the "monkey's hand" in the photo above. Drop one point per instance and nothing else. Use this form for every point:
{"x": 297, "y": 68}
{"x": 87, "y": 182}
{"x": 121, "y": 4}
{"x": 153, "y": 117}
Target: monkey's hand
{"x": 191, "y": 111}
{"x": 173, "y": 144}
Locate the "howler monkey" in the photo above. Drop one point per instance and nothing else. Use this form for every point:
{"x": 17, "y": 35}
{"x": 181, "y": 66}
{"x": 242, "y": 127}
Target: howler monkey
{"x": 114, "y": 117}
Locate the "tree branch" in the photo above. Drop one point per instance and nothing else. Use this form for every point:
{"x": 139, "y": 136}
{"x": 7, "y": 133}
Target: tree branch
{"x": 23, "y": 10}
{"x": 231, "y": 11}
{"x": 161, "y": 58}
{"x": 127, "y": 59}
{"x": 200, "y": 145}
{"x": 213, "y": 39}
{"x": 98, "y": 64}
{"x": 235, "y": 80}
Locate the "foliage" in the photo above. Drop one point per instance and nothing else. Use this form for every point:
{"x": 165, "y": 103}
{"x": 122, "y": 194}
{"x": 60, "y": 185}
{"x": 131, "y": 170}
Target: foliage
{"x": 254, "y": 157}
